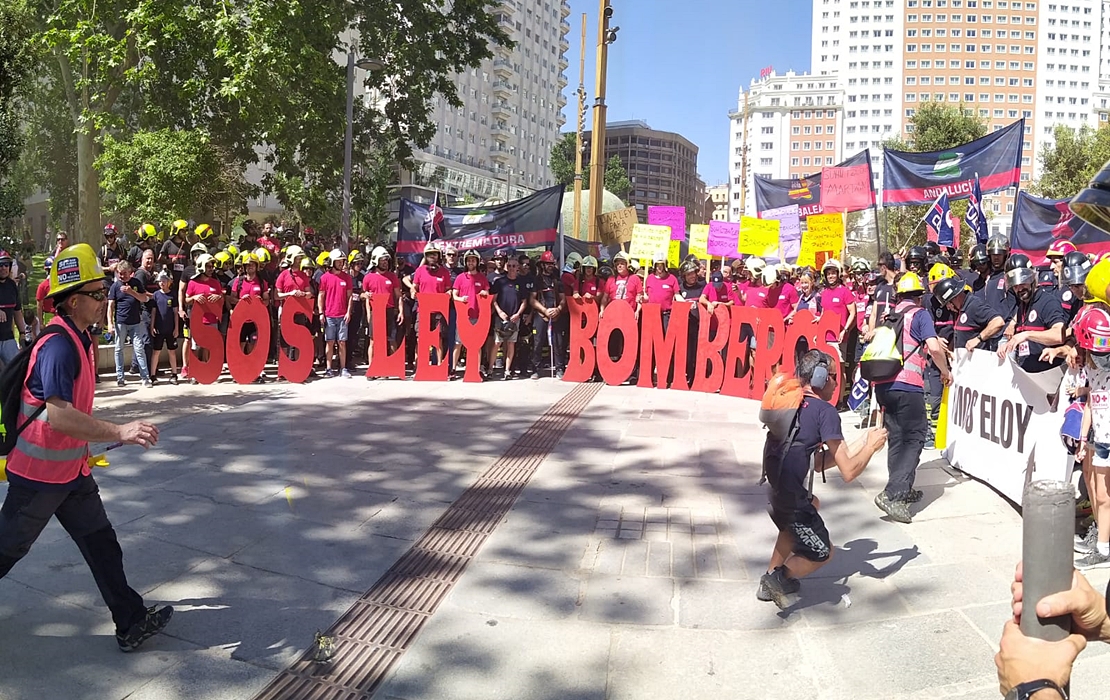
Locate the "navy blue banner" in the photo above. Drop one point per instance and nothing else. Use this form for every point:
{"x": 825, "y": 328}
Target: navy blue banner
{"x": 919, "y": 178}
{"x": 803, "y": 191}
{"x": 1037, "y": 223}
{"x": 524, "y": 223}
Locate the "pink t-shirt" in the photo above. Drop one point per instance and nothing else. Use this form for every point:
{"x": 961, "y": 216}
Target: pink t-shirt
{"x": 861, "y": 300}
{"x": 835, "y": 301}
{"x": 588, "y": 286}
{"x": 756, "y": 297}
{"x": 725, "y": 294}
{"x": 662, "y": 291}
{"x": 569, "y": 281}
{"x": 209, "y": 286}
{"x": 432, "y": 281}
{"x": 293, "y": 281}
{"x": 470, "y": 286}
{"x": 624, "y": 289}
{"x": 336, "y": 288}
{"x": 244, "y": 287}
{"x": 788, "y": 297}
{"x": 377, "y": 282}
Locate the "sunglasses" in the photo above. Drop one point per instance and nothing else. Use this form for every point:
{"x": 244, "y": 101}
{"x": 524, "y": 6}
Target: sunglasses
{"x": 99, "y": 295}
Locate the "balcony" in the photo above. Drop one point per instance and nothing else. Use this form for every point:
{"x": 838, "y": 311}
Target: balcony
{"x": 561, "y": 120}
{"x": 499, "y": 155}
{"x": 563, "y": 63}
{"x": 562, "y": 80}
{"x": 503, "y": 68}
{"x": 564, "y": 9}
{"x": 508, "y": 6}
{"x": 564, "y": 44}
{"x": 503, "y": 90}
{"x": 565, "y": 25}
{"x": 501, "y": 110}
{"x": 501, "y": 131}
{"x": 561, "y": 100}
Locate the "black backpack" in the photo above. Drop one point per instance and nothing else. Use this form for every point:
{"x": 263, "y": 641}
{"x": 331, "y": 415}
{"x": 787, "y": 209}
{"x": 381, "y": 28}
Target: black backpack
{"x": 12, "y": 378}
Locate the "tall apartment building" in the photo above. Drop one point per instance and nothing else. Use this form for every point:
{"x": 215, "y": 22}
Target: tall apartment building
{"x": 1047, "y": 61}
{"x": 716, "y": 202}
{"x": 794, "y": 127}
{"x": 498, "y": 143}
{"x": 662, "y": 165}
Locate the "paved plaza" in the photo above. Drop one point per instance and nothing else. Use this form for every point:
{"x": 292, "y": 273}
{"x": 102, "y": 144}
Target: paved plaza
{"x": 625, "y": 569}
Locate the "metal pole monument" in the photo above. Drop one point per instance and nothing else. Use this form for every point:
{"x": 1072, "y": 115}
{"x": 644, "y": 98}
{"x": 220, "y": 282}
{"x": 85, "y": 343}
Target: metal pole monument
{"x": 580, "y": 127}
{"x": 605, "y": 36}
{"x": 348, "y": 136}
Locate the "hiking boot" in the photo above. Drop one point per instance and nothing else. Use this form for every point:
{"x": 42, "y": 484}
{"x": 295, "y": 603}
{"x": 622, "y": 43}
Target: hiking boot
{"x": 913, "y": 496}
{"x": 1085, "y": 544}
{"x": 898, "y": 511}
{"x": 1094, "y": 560}
{"x": 773, "y": 588}
{"x": 155, "y": 621}
{"x": 344, "y": 373}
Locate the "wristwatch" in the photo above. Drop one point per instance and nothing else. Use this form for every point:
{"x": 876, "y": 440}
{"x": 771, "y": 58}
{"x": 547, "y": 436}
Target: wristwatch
{"x": 1025, "y": 691}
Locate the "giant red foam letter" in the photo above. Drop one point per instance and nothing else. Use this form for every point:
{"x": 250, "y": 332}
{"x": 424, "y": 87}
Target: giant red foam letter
{"x": 618, "y": 318}
{"x": 473, "y": 335}
{"x": 666, "y": 352}
{"x": 383, "y": 364}
{"x": 246, "y": 368}
{"x": 428, "y": 336}
{"x": 296, "y": 336}
{"x": 207, "y": 338}
{"x": 583, "y": 327}
{"x": 710, "y": 367}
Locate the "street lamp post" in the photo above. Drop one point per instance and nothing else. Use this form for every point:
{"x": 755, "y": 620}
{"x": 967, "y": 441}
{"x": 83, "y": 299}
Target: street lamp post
{"x": 348, "y": 138}
{"x": 605, "y": 36}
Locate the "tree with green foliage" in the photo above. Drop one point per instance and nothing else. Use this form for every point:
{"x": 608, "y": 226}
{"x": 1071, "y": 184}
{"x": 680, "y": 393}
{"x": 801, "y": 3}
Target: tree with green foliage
{"x": 1068, "y": 165}
{"x": 160, "y": 175}
{"x": 935, "y": 127}
{"x": 260, "y": 78}
{"x": 16, "y": 61}
{"x": 562, "y": 168}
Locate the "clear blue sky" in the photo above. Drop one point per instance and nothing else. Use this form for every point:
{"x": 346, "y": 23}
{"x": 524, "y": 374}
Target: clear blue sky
{"x": 679, "y": 64}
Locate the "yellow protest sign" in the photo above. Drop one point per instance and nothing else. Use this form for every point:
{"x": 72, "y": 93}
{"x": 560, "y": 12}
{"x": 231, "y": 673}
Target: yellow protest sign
{"x": 673, "y": 253}
{"x": 615, "y": 228}
{"x": 647, "y": 240}
{"x": 699, "y": 240}
{"x": 824, "y": 234}
{"x": 758, "y": 237}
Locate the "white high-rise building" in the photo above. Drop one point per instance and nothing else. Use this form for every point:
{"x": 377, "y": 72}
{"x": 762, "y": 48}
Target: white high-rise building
{"x": 498, "y": 143}
{"x": 1045, "y": 61}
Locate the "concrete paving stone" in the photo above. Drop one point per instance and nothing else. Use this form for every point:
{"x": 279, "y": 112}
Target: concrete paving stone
{"x": 989, "y": 618}
{"x": 208, "y": 481}
{"x": 940, "y": 586}
{"x": 404, "y": 519}
{"x": 707, "y": 665}
{"x": 205, "y": 674}
{"x": 727, "y": 605}
{"x": 260, "y": 617}
{"x": 629, "y": 600}
{"x": 207, "y": 526}
{"x": 912, "y": 654}
{"x": 465, "y": 656}
{"x": 59, "y": 651}
{"x": 542, "y": 534}
{"x": 519, "y": 592}
{"x": 58, "y": 569}
{"x": 334, "y": 556}
{"x": 16, "y": 597}
{"x": 831, "y": 602}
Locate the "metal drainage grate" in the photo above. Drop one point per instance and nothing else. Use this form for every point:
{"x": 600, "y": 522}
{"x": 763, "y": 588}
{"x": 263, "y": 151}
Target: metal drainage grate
{"x": 373, "y": 634}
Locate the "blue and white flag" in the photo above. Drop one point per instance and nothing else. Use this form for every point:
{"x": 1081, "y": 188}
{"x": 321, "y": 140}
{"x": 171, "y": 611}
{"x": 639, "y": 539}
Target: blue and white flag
{"x": 976, "y": 218}
{"x": 860, "y": 390}
{"x": 938, "y": 219}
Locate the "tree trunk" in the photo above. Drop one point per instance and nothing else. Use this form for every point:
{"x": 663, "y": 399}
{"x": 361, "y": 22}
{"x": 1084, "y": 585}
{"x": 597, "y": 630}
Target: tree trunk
{"x": 88, "y": 192}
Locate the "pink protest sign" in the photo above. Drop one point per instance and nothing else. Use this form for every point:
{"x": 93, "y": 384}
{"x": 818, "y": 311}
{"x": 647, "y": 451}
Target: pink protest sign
{"x": 846, "y": 188}
{"x": 675, "y": 217}
{"x": 723, "y": 238}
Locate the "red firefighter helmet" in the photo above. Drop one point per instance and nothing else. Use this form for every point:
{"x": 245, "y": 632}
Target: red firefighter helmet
{"x": 1092, "y": 330}
{"x": 1060, "y": 248}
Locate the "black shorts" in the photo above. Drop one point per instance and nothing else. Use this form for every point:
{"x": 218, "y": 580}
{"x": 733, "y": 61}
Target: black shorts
{"x": 157, "y": 342}
{"x": 811, "y": 537}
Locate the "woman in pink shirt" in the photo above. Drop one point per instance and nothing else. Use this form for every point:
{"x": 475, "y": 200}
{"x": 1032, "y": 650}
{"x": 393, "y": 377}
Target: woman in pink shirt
{"x": 837, "y": 299}
{"x": 587, "y": 285}
{"x": 431, "y": 278}
{"x": 469, "y": 287}
{"x": 623, "y": 285}
{"x": 788, "y": 293}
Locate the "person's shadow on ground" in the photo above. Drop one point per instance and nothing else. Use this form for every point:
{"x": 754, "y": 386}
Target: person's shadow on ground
{"x": 855, "y": 558}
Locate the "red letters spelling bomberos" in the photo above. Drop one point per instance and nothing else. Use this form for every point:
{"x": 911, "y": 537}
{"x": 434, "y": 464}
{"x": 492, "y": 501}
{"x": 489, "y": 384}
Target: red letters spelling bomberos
{"x": 724, "y": 360}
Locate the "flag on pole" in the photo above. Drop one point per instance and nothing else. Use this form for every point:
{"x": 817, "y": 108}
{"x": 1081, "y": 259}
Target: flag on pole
{"x": 433, "y": 221}
{"x": 976, "y": 218}
{"x": 938, "y": 220}
{"x": 859, "y": 393}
